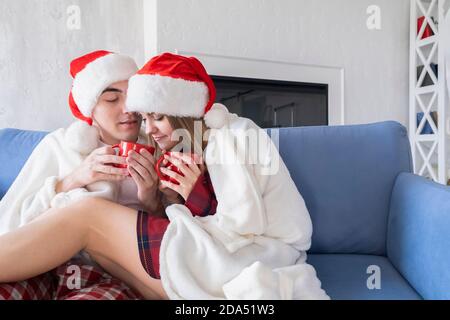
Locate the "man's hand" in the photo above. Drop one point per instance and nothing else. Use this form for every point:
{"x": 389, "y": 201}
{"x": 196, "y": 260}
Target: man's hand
{"x": 98, "y": 166}
{"x": 171, "y": 196}
{"x": 142, "y": 170}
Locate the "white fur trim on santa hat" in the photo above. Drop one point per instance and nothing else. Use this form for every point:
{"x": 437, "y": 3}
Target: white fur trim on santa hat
{"x": 166, "y": 95}
{"x": 217, "y": 116}
{"x": 81, "y": 137}
{"x": 90, "y": 82}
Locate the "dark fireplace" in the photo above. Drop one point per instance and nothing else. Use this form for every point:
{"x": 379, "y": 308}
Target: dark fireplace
{"x": 272, "y": 104}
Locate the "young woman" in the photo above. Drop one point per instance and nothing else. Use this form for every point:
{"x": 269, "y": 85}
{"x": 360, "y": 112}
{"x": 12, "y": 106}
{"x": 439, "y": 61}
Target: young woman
{"x": 250, "y": 227}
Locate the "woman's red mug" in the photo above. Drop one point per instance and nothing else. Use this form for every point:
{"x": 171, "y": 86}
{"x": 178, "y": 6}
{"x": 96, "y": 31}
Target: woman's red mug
{"x": 168, "y": 165}
{"x": 125, "y": 147}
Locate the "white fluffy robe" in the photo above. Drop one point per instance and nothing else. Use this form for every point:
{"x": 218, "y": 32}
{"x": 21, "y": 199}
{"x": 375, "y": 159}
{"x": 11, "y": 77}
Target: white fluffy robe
{"x": 254, "y": 247}
{"x": 57, "y": 155}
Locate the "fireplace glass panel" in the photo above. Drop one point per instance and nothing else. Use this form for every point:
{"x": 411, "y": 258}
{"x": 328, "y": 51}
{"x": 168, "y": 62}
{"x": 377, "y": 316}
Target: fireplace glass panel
{"x": 272, "y": 104}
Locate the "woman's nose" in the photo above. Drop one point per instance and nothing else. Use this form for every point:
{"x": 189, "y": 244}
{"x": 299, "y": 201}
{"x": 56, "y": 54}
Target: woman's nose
{"x": 150, "y": 128}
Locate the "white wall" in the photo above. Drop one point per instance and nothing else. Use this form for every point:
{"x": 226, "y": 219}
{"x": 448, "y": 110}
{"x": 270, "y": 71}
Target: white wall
{"x": 319, "y": 32}
{"x": 36, "y": 48}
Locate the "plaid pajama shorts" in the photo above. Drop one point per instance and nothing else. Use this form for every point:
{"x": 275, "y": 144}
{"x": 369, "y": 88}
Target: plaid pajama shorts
{"x": 73, "y": 280}
{"x": 150, "y": 228}
{"x": 150, "y": 231}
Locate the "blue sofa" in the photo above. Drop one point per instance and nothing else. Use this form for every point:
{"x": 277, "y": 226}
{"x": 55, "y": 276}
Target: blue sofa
{"x": 380, "y": 232}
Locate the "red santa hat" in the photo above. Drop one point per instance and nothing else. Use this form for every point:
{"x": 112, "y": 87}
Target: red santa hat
{"x": 178, "y": 86}
{"x": 93, "y": 73}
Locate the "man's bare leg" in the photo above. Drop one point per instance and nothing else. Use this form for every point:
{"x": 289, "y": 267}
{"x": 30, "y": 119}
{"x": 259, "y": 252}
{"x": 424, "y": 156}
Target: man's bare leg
{"x": 107, "y": 231}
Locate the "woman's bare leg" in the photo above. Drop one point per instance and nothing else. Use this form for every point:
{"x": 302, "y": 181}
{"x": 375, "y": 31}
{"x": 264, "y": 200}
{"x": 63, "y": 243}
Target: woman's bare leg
{"x": 107, "y": 231}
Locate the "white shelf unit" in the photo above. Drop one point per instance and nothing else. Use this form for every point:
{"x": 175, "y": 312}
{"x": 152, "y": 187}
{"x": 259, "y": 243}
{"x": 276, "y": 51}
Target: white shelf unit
{"x": 429, "y": 151}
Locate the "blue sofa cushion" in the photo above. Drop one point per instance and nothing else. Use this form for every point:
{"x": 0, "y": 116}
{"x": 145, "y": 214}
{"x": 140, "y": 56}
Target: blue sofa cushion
{"x": 16, "y": 146}
{"x": 344, "y": 277}
{"x": 419, "y": 234}
{"x": 346, "y": 175}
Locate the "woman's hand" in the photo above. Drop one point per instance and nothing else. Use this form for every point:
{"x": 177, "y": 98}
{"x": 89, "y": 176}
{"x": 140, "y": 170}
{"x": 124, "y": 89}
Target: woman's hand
{"x": 141, "y": 168}
{"x": 170, "y": 196}
{"x": 191, "y": 165}
{"x": 96, "y": 167}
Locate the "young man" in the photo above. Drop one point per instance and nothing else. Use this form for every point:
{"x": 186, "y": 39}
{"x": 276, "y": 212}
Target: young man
{"x": 77, "y": 162}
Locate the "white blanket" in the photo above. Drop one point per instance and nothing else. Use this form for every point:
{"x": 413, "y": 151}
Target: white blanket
{"x": 57, "y": 155}
{"x": 254, "y": 247}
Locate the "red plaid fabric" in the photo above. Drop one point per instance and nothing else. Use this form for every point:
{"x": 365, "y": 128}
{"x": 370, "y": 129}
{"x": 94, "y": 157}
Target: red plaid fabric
{"x": 202, "y": 199}
{"x": 41, "y": 287}
{"x": 94, "y": 284}
{"x": 73, "y": 280}
{"x": 150, "y": 229}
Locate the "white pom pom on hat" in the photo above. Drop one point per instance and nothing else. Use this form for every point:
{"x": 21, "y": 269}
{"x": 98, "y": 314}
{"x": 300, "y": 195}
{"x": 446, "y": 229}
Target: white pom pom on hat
{"x": 178, "y": 86}
{"x": 82, "y": 137}
{"x": 217, "y": 116}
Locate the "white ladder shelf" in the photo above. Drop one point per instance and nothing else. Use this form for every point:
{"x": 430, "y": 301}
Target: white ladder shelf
{"x": 429, "y": 151}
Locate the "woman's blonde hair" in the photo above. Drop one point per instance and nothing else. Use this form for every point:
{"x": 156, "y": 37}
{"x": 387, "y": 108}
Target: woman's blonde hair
{"x": 197, "y": 140}
{"x": 197, "y": 145}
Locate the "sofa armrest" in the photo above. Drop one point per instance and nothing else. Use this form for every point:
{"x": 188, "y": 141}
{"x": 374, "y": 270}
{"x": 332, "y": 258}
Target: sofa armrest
{"x": 418, "y": 240}
{"x": 16, "y": 146}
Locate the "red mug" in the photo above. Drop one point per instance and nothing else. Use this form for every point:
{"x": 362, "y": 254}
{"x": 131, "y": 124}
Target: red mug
{"x": 169, "y": 166}
{"x": 125, "y": 147}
